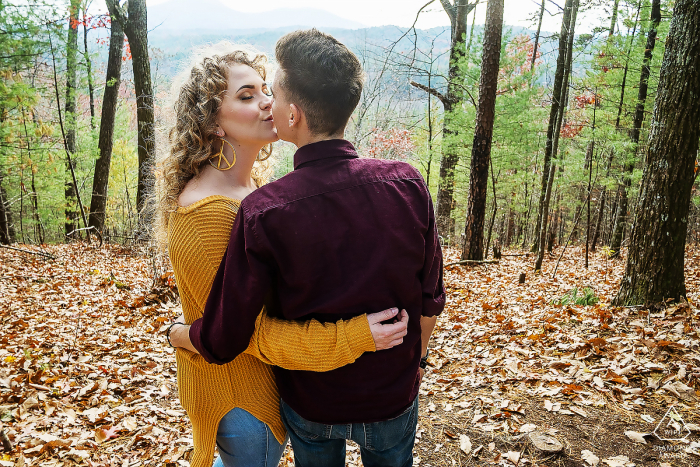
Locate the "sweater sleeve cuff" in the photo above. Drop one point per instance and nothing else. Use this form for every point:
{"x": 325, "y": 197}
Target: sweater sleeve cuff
{"x": 359, "y": 335}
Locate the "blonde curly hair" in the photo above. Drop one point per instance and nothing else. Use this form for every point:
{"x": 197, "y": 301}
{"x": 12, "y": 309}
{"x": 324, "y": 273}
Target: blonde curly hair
{"x": 197, "y": 94}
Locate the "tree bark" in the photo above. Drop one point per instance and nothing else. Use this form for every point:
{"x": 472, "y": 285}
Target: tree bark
{"x": 135, "y": 27}
{"x": 613, "y": 18}
{"x": 553, "y": 112}
{"x": 621, "y": 218}
{"x": 599, "y": 219}
{"x": 471, "y": 29}
{"x": 655, "y": 262}
{"x": 601, "y": 207}
{"x": 589, "y": 160}
{"x": 558, "y": 95}
{"x": 481, "y": 148}
{"x": 88, "y": 66}
{"x": 537, "y": 37}
{"x": 7, "y": 231}
{"x": 100, "y": 183}
{"x": 452, "y": 100}
{"x": 70, "y": 116}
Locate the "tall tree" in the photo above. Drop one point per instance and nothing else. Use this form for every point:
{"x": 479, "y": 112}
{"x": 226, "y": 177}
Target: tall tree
{"x": 100, "y": 182}
{"x": 134, "y": 24}
{"x": 481, "y": 149}
{"x": 655, "y": 262}
{"x": 636, "y": 128}
{"x": 554, "y": 125}
{"x": 7, "y": 231}
{"x": 70, "y": 117}
{"x": 88, "y": 63}
{"x": 457, "y": 10}
{"x": 537, "y": 37}
{"x": 613, "y": 18}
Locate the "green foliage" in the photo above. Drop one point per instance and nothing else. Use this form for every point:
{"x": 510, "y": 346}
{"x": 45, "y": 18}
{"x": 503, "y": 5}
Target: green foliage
{"x": 33, "y": 161}
{"x": 572, "y": 297}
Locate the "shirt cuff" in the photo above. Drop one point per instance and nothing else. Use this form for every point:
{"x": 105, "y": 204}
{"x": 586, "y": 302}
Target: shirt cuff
{"x": 195, "y": 334}
{"x": 433, "y": 307}
{"x": 359, "y": 335}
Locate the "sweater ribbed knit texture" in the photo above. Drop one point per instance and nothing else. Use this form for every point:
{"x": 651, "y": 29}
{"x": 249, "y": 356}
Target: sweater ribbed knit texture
{"x": 198, "y": 236}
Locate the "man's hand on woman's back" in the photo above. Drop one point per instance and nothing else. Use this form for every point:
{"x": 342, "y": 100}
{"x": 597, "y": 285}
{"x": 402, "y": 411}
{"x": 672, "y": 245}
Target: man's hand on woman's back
{"x": 391, "y": 333}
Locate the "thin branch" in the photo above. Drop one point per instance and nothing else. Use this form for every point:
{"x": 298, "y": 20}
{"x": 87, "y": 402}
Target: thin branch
{"x": 432, "y": 91}
{"x": 39, "y": 253}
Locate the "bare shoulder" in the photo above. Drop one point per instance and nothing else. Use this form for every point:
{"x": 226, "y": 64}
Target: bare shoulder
{"x": 194, "y": 191}
{"x": 205, "y": 185}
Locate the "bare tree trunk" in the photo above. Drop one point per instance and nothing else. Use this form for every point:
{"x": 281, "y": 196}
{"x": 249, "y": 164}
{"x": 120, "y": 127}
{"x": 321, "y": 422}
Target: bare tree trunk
{"x": 510, "y": 227}
{"x": 7, "y": 232}
{"x": 481, "y": 149}
{"x": 537, "y": 37}
{"x": 70, "y": 116}
{"x": 655, "y": 262}
{"x": 100, "y": 183}
{"x": 636, "y": 127}
{"x": 556, "y": 117}
{"x": 69, "y": 160}
{"x": 135, "y": 27}
{"x": 553, "y": 113}
{"x": 453, "y": 100}
{"x": 88, "y": 65}
{"x": 471, "y": 29}
{"x": 34, "y": 198}
{"x": 613, "y": 18}
{"x": 589, "y": 159}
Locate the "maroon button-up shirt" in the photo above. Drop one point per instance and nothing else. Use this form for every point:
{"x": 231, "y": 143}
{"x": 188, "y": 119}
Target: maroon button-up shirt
{"x": 337, "y": 237}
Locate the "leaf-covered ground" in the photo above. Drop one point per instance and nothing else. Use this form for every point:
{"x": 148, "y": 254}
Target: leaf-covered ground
{"x": 86, "y": 377}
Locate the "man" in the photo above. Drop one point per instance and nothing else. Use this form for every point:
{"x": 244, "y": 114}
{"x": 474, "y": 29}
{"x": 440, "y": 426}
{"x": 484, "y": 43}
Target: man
{"x": 337, "y": 237}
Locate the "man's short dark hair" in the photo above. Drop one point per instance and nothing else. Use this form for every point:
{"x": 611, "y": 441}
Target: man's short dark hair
{"x": 322, "y": 76}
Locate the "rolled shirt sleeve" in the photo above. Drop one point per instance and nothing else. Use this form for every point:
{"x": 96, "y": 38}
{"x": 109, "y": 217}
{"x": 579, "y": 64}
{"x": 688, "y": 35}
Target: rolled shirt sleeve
{"x": 236, "y": 297}
{"x": 431, "y": 280}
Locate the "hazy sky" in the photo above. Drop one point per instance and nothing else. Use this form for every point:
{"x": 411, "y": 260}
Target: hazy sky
{"x": 403, "y": 12}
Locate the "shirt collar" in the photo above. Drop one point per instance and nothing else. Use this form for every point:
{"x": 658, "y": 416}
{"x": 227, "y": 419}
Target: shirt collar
{"x": 324, "y": 150}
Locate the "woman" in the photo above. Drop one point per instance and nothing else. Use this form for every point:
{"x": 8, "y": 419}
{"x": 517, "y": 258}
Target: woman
{"x": 224, "y": 131}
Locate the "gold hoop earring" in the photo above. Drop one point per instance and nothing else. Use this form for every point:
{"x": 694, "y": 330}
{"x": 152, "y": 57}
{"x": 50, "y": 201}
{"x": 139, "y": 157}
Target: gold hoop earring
{"x": 267, "y": 150}
{"x": 221, "y": 156}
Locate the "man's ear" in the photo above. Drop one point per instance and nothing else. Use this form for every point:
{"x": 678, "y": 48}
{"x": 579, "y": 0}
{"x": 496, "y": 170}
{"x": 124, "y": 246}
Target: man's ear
{"x": 295, "y": 116}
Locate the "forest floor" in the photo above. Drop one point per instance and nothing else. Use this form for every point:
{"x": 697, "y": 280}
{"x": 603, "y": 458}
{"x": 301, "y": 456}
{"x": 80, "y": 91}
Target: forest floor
{"x": 86, "y": 377}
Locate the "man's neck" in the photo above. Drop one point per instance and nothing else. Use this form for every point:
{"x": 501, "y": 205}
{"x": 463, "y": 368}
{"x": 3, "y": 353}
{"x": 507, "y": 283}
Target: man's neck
{"x": 309, "y": 138}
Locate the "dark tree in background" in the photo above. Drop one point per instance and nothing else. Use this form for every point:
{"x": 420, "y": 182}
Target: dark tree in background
{"x": 537, "y": 37}
{"x": 7, "y": 231}
{"x": 481, "y": 149}
{"x": 451, "y": 102}
{"x": 621, "y": 217}
{"x": 134, "y": 24}
{"x": 100, "y": 182}
{"x": 554, "y": 125}
{"x": 655, "y": 262}
{"x": 71, "y": 84}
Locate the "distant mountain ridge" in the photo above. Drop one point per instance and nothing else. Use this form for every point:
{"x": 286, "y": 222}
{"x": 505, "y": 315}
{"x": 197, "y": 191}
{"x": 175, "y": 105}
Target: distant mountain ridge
{"x": 211, "y": 15}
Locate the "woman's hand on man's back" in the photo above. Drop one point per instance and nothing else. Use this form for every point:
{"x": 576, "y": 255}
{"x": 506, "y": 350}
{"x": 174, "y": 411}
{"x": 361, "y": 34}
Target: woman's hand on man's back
{"x": 388, "y": 327}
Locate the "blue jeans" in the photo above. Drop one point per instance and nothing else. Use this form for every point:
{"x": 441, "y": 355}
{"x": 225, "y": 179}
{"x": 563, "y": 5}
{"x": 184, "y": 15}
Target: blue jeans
{"x": 245, "y": 441}
{"x": 382, "y": 444}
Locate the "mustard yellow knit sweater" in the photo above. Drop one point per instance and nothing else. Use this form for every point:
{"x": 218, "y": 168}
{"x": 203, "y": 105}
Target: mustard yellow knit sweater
{"x": 197, "y": 237}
